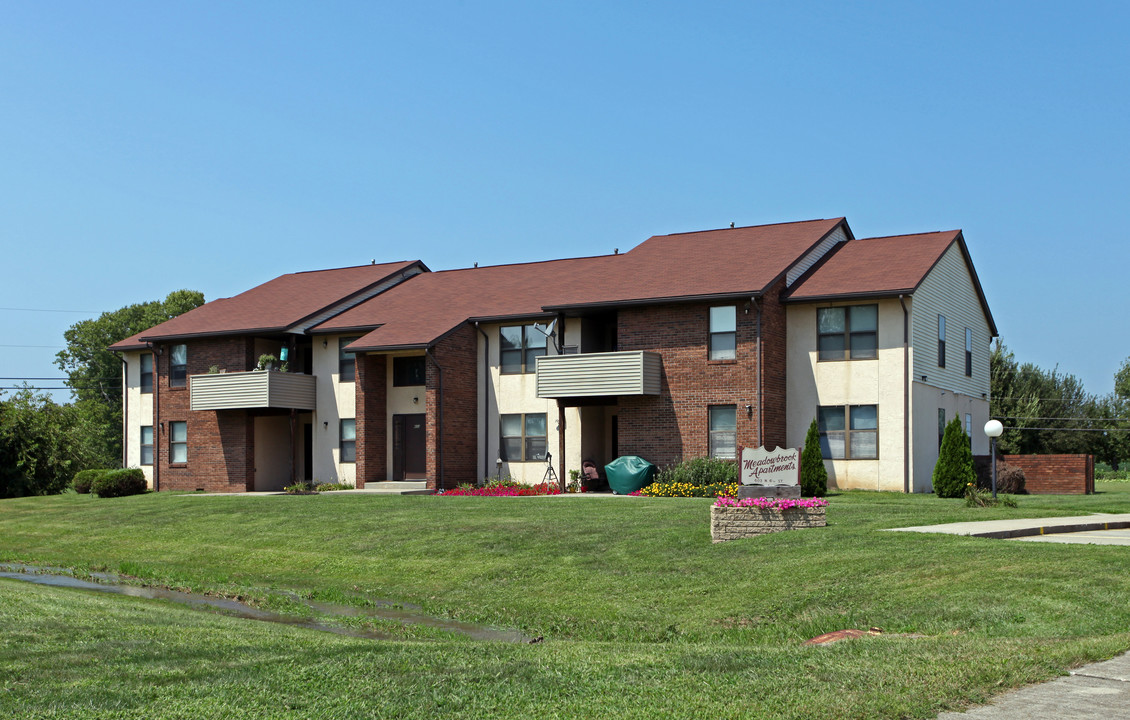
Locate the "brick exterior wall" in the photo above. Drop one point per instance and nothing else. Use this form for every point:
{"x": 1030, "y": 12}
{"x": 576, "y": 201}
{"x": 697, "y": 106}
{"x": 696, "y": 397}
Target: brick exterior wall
{"x": 221, "y": 443}
{"x": 457, "y": 354}
{"x": 1056, "y": 474}
{"x": 373, "y": 438}
{"x": 674, "y": 425}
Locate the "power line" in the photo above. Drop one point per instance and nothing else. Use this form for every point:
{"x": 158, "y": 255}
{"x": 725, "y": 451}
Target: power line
{"x": 14, "y": 309}
{"x": 1065, "y": 419}
{"x": 34, "y": 346}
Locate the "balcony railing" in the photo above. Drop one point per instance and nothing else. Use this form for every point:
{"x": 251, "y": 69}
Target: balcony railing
{"x": 255, "y": 389}
{"x": 594, "y": 374}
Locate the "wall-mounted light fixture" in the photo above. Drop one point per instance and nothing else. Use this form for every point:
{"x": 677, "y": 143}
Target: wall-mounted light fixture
{"x": 326, "y": 424}
{"x": 749, "y": 410}
{"x": 325, "y": 343}
{"x": 416, "y": 400}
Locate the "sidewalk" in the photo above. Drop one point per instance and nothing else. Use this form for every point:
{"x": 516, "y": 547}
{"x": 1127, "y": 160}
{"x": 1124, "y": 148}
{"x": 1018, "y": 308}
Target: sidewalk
{"x": 1027, "y": 527}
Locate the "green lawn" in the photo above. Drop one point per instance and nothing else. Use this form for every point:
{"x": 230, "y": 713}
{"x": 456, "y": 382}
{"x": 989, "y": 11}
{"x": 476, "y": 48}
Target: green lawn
{"x": 641, "y": 614}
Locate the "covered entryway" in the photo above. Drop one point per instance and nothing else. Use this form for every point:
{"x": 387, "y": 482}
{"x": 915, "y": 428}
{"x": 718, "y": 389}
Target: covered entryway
{"x": 409, "y": 447}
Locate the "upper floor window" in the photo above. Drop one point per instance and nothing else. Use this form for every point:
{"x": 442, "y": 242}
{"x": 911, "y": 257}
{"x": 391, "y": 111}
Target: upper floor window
{"x": 408, "y": 371}
{"x": 723, "y": 332}
{"x": 519, "y": 347}
{"x": 723, "y": 431}
{"x": 941, "y": 341}
{"x": 968, "y": 352}
{"x": 523, "y": 437}
{"x": 146, "y": 445}
{"x": 849, "y": 432}
{"x": 147, "y": 373}
{"x": 178, "y": 442}
{"x": 178, "y": 365}
{"x": 348, "y": 442}
{"x": 346, "y": 360}
{"x": 847, "y": 333}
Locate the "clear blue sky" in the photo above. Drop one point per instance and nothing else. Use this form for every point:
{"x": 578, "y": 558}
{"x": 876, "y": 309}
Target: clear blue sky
{"x": 149, "y": 147}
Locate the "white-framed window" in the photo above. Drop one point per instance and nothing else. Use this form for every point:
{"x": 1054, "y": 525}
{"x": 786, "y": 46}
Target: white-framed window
{"x": 969, "y": 428}
{"x": 724, "y": 332}
{"x": 523, "y": 437}
{"x": 178, "y": 365}
{"x": 941, "y": 341}
{"x": 346, "y": 360}
{"x": 941, "y": 426}
{"x": 519, "y": 347}
{"x": 146, "y": 372}
{"x": 146, "y": 445}
{"x": 178, "y": 441}
{"x": 723, "y": 431}
{"x": 847, "y": 333}
{"x": 348, "y": 443}
{"x": 849, "y": 432}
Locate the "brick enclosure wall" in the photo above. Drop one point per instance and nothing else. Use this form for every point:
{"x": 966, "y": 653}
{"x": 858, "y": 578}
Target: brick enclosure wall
{"x": 674, "y": 425}
{"x": 457, "y": 356}
{"x": 1056, "y": 474}
{"x": 221, "y": 443}
{"x": 371, "y": 397}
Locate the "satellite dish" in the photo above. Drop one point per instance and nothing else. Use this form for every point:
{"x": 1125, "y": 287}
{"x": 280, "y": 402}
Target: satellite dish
{"x": 548, "y": 329}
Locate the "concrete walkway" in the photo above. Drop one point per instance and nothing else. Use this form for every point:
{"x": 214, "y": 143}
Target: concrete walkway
{"x": 1100, "y": 691}
{"x": 1045, "y": 528}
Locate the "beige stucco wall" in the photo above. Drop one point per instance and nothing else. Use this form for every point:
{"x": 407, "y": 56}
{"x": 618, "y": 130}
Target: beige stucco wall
{"x": 927, "y": 399}
{"x": 139, "y": 411}
{"x": 811, "y": 383}
{"x": 336, "y": 400}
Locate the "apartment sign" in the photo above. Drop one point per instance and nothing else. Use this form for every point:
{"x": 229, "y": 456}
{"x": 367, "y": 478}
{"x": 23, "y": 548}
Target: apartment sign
{"x": 779, "y": 467}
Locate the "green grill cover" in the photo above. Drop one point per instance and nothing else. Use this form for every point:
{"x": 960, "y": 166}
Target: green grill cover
{"x": 628, "y": 473}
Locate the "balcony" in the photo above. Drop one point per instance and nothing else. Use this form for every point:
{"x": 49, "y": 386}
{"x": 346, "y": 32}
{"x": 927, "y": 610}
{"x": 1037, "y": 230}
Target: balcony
{"x": 596, "y": 374}
{"x": 255, "y": 389}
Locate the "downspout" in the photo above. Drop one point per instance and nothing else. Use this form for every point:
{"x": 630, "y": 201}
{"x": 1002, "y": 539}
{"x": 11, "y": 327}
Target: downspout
{"x": 760, "y": 403}
{"x": 125, "y": 408}
{"x": 439, "y": 420}
{"x": 157, "y": 426}
{"x": 486, "y": 405}
{"x": 905, "y": 395}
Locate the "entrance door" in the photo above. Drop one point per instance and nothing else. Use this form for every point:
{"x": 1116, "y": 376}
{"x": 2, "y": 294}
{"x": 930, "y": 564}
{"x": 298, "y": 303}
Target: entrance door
{"x": 409, "y": 443}
{"x": 307, "y": 452}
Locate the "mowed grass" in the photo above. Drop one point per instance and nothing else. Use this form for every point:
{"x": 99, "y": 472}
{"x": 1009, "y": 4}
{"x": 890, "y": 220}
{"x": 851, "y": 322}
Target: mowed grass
{"x": 641, "y": 614}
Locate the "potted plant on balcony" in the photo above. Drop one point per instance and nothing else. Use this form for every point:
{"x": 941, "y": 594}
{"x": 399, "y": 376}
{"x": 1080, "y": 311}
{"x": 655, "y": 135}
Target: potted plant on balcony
{"x": 267, "y": 361}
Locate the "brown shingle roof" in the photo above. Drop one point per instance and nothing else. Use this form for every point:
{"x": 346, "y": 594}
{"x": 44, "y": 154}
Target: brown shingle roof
{"x": 273, "y": 306}
{"x": 724, "y": 262}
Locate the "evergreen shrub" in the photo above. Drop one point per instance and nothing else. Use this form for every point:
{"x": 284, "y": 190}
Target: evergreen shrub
{"x": 954, "y": 470}
{"x": 119, "y": 483}
{"x": 813, "y": 474}
{"x": 85, "y": 478}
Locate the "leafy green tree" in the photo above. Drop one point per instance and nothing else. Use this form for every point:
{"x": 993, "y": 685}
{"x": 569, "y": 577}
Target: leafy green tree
{"x": 954, "y": 469}
{"x": 813, "y": 474}
{"x": 94, "y": 373}
{"x": 41, "y": 444}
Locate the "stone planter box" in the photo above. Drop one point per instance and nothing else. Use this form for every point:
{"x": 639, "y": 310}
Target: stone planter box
{"x": 734, "y": 523}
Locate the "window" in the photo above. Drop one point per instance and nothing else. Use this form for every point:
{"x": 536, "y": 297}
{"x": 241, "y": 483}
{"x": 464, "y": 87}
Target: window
{"x": 723, "y": 431}
{"x": 848, "y": 333}
{"x": 178, "y": 442}
{"x": 849, "y": 432}
{"x": 519, "y": 348}
{"x": 941, "y": 341}
{"x": 969, "y": 428}
{"x": 178, "y": 365}
{"x": 147, "y": 372}
{"x": 348, "y": 442}
{"x": 523, "y": 437}
{"x": 346, "y": 360}
{"x": 723, "y": 332}
{"x": 968, "y": 352}
{"x": 146, "y": 444}
{"x": 408, "y": 371}
{"x": 941, "y": 426}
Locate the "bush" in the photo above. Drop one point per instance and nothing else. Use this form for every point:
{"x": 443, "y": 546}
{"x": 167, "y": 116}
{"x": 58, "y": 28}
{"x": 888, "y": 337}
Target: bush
{"x": 954, "y": 469}
{"x": 119, "y": 483}
{"x": 699, "y": 472}
{"x": 658, "y": 489}
{"x": 84, "y": 479}
{"x": 1010, "y": 478}
{"x": 813, "y": 474}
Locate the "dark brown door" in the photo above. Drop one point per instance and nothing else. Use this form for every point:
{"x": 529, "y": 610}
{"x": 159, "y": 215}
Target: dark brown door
{"x": 409, "y": 444}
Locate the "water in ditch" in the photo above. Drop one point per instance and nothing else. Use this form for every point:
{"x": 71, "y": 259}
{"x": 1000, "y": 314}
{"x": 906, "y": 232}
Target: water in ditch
{"x": 405, "y": 614}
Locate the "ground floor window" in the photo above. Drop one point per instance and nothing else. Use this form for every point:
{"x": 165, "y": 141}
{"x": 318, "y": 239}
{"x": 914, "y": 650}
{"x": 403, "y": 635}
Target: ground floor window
{"x": 523, "y": 437}
{"x": 146, "y": 444}
{"x": 724, "y": 431}
{"x": 178, "y": 442}
{"x": 348, "y": 441}
{"x": 849, "y": 432}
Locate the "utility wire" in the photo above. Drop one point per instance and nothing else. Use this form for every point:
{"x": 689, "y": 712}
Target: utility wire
{"x": 34, "y": 346}
{"x": 14, "y": 309}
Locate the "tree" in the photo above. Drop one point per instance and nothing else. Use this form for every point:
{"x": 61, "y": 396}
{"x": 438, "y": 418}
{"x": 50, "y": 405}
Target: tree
{"x": 42, "y": 444}
{"x": 954, "y": 469}
{"x": 94, "y": 373}
{"x": 813, "y": 474}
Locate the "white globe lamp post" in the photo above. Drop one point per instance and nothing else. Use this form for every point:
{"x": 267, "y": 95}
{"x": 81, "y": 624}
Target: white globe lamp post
{"x": 993, "y": 429}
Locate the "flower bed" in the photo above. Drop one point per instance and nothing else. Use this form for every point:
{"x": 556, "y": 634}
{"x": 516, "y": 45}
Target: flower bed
{"x": 732, "y": 519}
{"x": 505, "y": 490}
